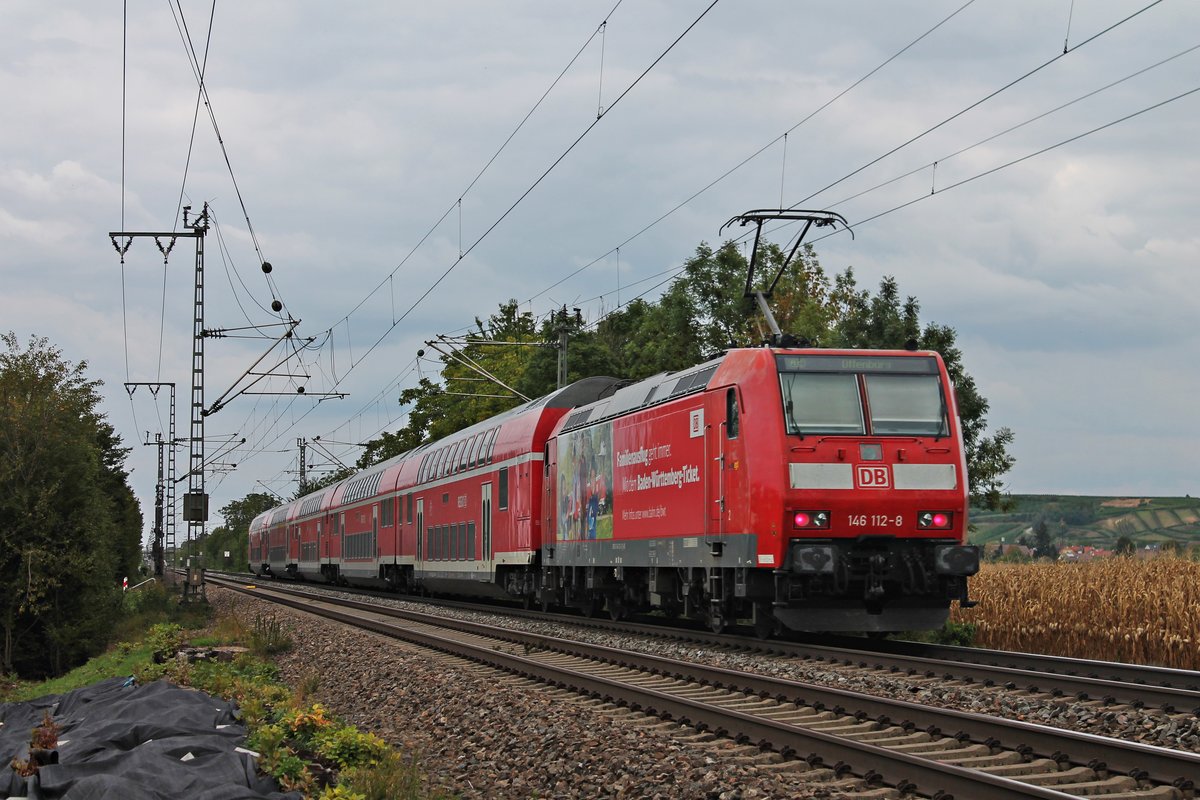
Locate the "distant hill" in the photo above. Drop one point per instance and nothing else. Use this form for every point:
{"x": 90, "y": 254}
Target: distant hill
{"x": 1098, "y": 521}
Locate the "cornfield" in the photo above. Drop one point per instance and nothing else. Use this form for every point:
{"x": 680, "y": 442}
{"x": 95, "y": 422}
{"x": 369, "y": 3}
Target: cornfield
{"x": 1116, "y": 609}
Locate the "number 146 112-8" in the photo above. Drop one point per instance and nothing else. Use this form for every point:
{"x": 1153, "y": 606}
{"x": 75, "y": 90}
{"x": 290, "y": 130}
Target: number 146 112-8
{"x": 875, "y": 521}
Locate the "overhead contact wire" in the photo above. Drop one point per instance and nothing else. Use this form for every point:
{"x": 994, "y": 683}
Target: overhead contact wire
{"x": 533, "y": 186}
{"x": 979, "y": 102}
{"x": 757, "y": 152}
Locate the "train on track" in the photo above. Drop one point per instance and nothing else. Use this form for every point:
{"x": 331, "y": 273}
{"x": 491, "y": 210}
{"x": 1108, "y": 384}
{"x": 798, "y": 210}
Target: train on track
{"x": 795, "y": 488}
{"x": 804, "y": 488}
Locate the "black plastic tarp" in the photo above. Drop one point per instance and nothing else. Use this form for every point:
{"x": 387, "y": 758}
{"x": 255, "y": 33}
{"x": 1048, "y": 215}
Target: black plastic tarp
{"x": 116, "y": 739}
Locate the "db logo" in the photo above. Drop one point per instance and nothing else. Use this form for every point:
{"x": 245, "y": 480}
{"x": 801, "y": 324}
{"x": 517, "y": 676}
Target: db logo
{"x": 873, "y": 477}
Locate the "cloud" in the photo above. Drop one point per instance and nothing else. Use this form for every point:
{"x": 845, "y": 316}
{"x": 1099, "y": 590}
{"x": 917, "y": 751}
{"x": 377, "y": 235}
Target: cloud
{"x": 352, "y": 130}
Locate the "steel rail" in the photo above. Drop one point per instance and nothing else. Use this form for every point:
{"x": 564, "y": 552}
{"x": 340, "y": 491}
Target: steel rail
{"x": 1145, "y": 762}
{"x": 1169, "y": 690}
{"x": 885, "y": 765}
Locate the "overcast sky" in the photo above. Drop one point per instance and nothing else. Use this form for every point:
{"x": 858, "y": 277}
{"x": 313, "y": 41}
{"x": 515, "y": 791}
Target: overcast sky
{"x": 351, "y": 129}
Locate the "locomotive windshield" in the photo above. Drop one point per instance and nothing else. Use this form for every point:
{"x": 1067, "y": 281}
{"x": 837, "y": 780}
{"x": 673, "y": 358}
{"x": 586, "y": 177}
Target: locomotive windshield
{"x": 876, "y": 396}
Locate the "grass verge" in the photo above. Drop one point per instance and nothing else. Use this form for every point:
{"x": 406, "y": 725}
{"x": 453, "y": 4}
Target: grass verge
{"x": 300, "y": 744}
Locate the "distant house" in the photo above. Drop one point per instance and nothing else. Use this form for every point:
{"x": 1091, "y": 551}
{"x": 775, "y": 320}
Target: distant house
{"x": 997, "y": 550}
{"x": 1082, "y": 552}
{"x": 1149, "y": 551}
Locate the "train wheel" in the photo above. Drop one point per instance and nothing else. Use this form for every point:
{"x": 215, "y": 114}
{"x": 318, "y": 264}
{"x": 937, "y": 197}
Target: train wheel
{"x": 765, "y": 624}
{"x": 616, "y": 609}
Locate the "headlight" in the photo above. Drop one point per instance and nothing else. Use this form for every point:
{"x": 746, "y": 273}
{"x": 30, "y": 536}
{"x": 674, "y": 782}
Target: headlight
{"x": 956, "y": 559}
{"x": 812, "y": 559}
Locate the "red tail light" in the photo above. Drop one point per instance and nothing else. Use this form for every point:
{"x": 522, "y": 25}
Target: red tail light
{"x": 810, "y": 520}
{"x": 935, "y": 520}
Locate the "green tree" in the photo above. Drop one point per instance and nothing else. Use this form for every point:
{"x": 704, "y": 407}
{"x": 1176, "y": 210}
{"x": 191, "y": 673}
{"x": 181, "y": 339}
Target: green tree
{"x": 505, "y": 346}
{"x": 647, "y": 338}
{"x": 1043, "y": 545}
{"x": 232, "y": 536}
{"x": 69, "y": 529}
{"x": 1124, "y": 546}
{"x": 713, "y": 286}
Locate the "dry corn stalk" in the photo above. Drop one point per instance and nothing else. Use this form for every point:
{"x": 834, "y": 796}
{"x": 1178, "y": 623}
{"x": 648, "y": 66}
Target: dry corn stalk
{"x": 1116, "y": 609}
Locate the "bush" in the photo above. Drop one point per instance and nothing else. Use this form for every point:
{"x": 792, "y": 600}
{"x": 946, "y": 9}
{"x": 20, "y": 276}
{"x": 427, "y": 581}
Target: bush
{"x": 961, "y": 634}
{"x": 347, "y": 747}
{"x": 165, "y": 640}
{"x": 269, "y": 637}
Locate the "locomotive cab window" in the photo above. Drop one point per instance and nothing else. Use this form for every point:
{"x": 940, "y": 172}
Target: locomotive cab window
{"x": 906, "y": 404}
{"x": 815, "y": 402}
{"x": 827, "y": 394}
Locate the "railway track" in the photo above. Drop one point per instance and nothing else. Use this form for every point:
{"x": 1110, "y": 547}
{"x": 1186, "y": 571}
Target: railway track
{"x": 1108, "y": 683}
{"x": 908, "y": 746}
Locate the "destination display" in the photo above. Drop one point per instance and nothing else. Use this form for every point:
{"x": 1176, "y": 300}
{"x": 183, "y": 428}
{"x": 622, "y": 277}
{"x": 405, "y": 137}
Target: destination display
{"x": 915, "y": 365}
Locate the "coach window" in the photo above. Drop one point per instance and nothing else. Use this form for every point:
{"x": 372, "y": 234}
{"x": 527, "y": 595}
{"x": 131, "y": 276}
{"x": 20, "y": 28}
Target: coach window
{"x": 385, "y": 516}
{"x": 408, "y": 514}
{"x": 502, "y": 500}
{"x": 471, "y": 540}
{"x": 731, "y": 414}
{"x": 473, "y": 458}
{"x": 491, "y": 443}
{"x": 462, "y": 455}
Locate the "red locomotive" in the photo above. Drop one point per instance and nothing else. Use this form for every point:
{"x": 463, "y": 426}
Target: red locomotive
{"x": 792, "y": 487}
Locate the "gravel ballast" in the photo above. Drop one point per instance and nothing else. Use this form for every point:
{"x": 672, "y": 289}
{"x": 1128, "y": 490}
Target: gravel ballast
{"x": 479, "y": 733}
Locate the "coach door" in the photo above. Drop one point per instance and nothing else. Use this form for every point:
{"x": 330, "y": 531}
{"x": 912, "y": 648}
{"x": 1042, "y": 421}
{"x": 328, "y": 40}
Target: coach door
{"x": 485, "y": 528}
{"x": 375, "y": 532}
{"x": 420, "y": 549}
